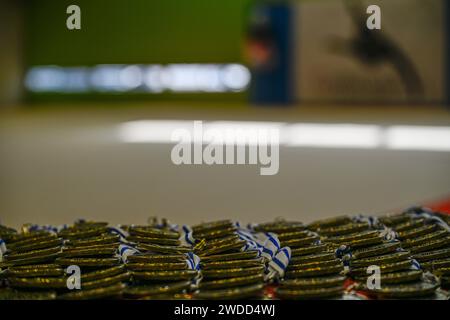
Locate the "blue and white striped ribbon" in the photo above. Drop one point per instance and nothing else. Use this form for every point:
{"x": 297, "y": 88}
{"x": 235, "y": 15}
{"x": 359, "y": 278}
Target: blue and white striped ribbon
{"x": 186, "y": 236}
{"x": 2, "y": 248}
{"x": 277, "y": 266}
{"x": 192, "y": 261}
{"x": 428, "y": 215}
{"x": 389, "y": 234}
{"x": 268, "y": 246}
{"x": 123, "y": 235}
{"x": 415, "y": 265}
{"x": 125, "y": 251}
{"x": 372, "y": 221}
{"x": 49, "y": 228}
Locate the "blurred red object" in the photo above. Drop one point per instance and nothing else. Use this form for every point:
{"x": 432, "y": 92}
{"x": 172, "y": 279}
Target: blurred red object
{"x": 441, "y": 206}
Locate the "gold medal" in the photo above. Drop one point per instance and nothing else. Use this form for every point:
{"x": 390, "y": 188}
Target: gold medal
{"x": 308, "y": 250}
{"x": 315, "y": 293}
{"x": 234, "y": 293}
{"x": 156, "y": 258}
{"x": 173, "y": 275}
{"x": 103, "y": 239}
{"x": 231, "y": 282}
{"x": 317, "y": 282}
{"x": 163, "y": 249}
{"x": 38, "y": 282}
{"x": 431, "y": 245}
{"x": 88, "y": 262}
{"x": 330, "y": 222}
{"x": 232, "y": 264}
{"x": 424, "y": 239}
{"x": 103, "y": 273}
{"x": 150, "y": 232}
{"x": 103, "y": 282}
{"x": 230, "y": 256}
{"x": 232, "y": 272}
{"x": 156, "y": 290}
{"x": 432, "y": 255}
{"x": 315, "y": 271}
{"x": 156, "y": 266}
{"x": 104, "y": 292}
{"x": 377, "y": 260}
{"x": 376, "y": 250}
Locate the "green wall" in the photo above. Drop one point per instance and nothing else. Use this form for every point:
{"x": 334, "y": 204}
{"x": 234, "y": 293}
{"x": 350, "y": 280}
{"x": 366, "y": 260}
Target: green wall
{"x": 135, "y": 31}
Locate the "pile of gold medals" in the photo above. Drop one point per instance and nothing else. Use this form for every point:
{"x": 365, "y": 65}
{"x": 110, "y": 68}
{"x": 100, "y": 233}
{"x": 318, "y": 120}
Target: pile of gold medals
{"x": 398, "y": 256}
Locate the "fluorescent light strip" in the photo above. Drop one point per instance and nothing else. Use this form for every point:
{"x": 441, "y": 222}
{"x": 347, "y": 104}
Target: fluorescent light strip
{"x": 311, "y": 135}
{"x": 418, "y": 138}
{"x": 143, "y": 78}
{"x": 333, "y": 135}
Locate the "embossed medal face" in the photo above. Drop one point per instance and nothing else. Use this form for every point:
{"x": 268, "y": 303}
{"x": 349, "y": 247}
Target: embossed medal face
{"x": 232, "y": 293}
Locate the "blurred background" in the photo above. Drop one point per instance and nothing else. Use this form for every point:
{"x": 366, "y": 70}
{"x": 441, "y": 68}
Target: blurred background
{"x": 85, "y": 113}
